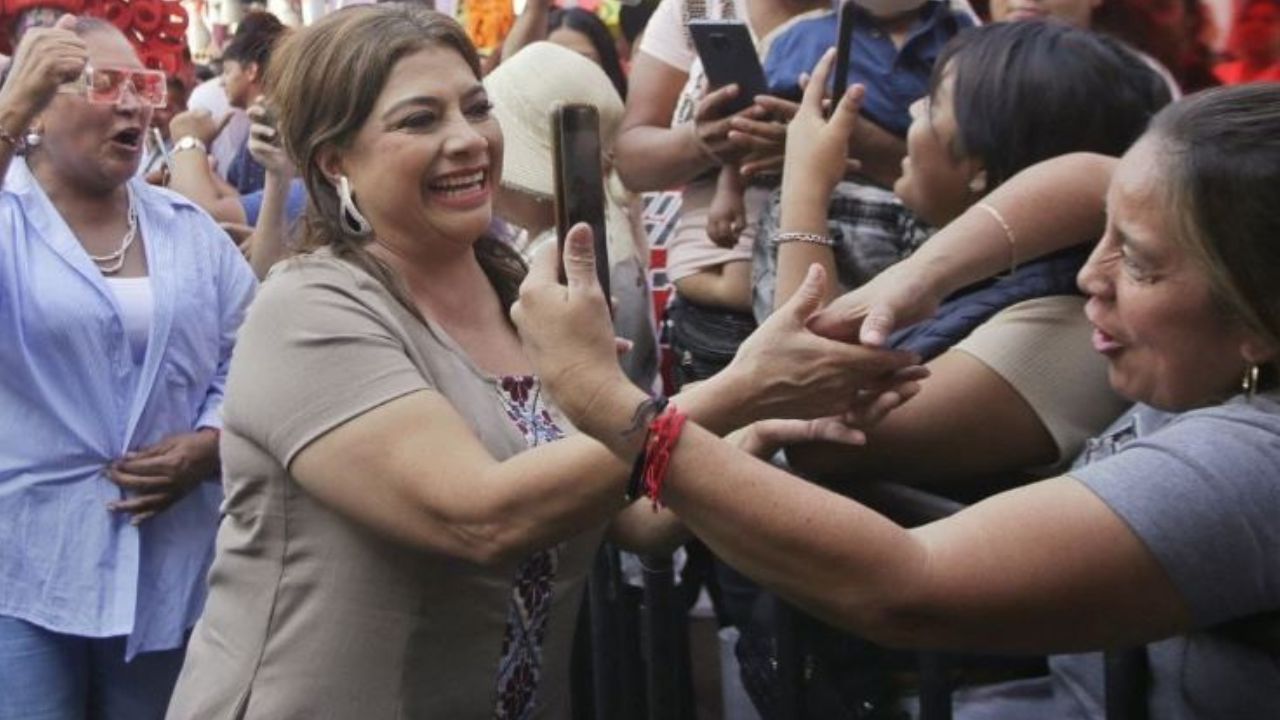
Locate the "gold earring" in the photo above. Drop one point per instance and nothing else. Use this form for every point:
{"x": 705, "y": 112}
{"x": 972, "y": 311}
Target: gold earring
{"x": 1249, "y": 384}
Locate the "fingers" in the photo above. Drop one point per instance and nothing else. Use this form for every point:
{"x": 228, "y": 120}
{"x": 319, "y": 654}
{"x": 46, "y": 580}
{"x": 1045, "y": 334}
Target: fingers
{"x": 139, "y": 483}
{"x": 816, "y": 86}
{"x": 709, "y": 107}
{"x": 580, "y": 259}
{"x": 845, "y": 118}
{"x": 876, "y": 326}
{"x": 141, "y": 507}
{"x": 264, "y": 133}
{"x": 835, "y": 430}
{"x": 841, "y": 319}
{"x": 808, "y": 296}
{"x": 779, "y": 109}
{"x": 622, "y": 346}
{"x": 756, "y": 167}
{"x": 66, "y": 22}
{"x": 752, "y": 143}
{"x": 151, "y": 465}
{"x": 764, "y": 129}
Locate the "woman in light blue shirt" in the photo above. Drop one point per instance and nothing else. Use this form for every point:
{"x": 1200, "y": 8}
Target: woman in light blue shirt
{"x": 119, "y": 304}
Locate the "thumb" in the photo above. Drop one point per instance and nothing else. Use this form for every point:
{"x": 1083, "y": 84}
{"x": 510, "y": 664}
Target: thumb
{"x": 808, "y": 296}
{"x": 876, "y": 326}
{"x": 66, "y": 22}
{"x": 580, "y": 258}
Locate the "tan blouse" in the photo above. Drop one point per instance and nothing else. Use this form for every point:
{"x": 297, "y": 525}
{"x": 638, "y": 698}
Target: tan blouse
{"x": 312, "y": 615}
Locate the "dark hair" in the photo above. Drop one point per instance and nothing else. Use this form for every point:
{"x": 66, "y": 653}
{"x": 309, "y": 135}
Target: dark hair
{"x": 1028, "y": 91}
{"x": 1221, "y": 154}
{"x": 324, "y": 86}
{"x": 633, "y": 18}
{"x": 594, "y": 28}
{"x": 254, "y": 39}
{"x": 1176, "y": 45}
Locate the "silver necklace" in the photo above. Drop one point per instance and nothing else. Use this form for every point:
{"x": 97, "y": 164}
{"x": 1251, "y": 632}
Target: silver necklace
{"x": 111, "y": 263}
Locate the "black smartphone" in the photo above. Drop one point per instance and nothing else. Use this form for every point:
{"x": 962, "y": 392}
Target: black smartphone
{"x": 579, "y": 178}
{"x": 844, "y": 46}
{"x": 729, "y": 56}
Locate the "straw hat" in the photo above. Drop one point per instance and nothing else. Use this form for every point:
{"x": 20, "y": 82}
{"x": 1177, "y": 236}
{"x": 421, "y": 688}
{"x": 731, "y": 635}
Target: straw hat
{"x": 524, "y": 90}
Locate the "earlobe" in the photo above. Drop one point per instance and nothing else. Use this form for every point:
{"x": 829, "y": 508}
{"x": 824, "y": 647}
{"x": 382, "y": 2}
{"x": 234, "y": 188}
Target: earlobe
{"x": 329, "y": 160}
{"x": 1256, "y": 351}
{"x": 978, "y": 183}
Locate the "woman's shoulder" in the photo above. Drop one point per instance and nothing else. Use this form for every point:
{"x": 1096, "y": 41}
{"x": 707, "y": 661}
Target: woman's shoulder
{"x": 1258, "y": 416}
{"x": 315, "y": 286}
{"x": 317, "y": 272}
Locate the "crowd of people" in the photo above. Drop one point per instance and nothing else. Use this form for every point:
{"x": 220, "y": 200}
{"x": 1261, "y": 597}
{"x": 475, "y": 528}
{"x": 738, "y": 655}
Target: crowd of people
{"x": 307, "y": 411}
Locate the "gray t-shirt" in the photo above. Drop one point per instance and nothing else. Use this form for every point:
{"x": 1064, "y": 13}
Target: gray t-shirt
{"x": 1202, "y": 491}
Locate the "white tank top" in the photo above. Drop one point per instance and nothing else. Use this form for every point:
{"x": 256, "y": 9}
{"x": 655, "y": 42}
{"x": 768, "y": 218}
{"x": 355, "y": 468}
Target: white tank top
{"x": 133, "y": 295}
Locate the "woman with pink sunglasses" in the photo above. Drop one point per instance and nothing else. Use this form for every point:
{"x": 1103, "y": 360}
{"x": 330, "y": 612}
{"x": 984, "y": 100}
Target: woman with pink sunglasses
{"x": 119, "y": 304}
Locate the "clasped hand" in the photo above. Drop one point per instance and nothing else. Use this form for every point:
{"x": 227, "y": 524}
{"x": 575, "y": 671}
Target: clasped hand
{"x": 160, "y": 475}
{"x": 782, "y": 371}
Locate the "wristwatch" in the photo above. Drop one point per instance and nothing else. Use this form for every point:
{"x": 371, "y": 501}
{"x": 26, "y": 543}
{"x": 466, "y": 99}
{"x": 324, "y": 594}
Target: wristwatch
{"x": 190, "y": 142}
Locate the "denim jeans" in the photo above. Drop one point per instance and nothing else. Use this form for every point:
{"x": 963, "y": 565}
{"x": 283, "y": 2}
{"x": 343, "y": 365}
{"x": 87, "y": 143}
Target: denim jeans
{"x": 46, "y": 675}
{"x": 704, "y": 339}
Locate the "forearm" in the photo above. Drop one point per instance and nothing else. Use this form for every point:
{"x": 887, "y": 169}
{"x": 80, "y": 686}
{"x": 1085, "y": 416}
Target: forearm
{"x": 1049, "y": 206}
{"x": 803, "y": 210}
{"x": 13, "y": 122}
{"x": 835, "y": 558}
{"x": 530, "y": 27}
{"x": 267, "y": 245}
{"x": 193, "y": 179}
{"x": 537, "y": 498}
{"x": 659, "y": 158}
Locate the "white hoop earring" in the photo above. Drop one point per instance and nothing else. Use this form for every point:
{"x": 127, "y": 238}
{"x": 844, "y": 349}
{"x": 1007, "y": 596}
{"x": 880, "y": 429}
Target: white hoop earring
{"x": 352, "y": 219}
{"x": 32, "y": 139}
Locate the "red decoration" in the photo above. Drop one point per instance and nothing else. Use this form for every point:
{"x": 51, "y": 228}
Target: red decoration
{"x": 157, "y": 28}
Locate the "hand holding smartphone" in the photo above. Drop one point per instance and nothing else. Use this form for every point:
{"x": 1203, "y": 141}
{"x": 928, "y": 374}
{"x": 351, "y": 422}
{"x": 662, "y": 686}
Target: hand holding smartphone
{"x": 729, "y": 57}
{"x": 579, "y": 181}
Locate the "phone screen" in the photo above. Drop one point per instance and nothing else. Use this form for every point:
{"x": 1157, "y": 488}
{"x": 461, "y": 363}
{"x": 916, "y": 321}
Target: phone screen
{"x": 580, "y": 180}
{"x": 844, "y": 46}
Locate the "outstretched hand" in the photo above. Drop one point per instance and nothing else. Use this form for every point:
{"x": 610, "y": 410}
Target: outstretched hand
{"x": 896, "y": 298}
{"x": 784, "y": 370}
{"x": 818, "y": 147}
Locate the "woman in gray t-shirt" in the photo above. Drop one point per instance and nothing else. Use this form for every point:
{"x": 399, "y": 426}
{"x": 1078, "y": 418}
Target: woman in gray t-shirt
{"x": 1169, "y": 535}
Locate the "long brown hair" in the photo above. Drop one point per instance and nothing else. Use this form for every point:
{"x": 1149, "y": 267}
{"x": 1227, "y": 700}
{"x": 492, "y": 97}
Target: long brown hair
{"x": 1221, "y": 154}
{"x": 323, "y": 82}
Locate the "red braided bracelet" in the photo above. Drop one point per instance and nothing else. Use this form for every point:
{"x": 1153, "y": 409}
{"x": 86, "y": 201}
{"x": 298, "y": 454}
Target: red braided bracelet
{"x": 664, "y": 431}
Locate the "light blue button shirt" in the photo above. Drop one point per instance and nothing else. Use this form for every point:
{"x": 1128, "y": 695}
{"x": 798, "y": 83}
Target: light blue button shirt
{"x": 72, "y": 400}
